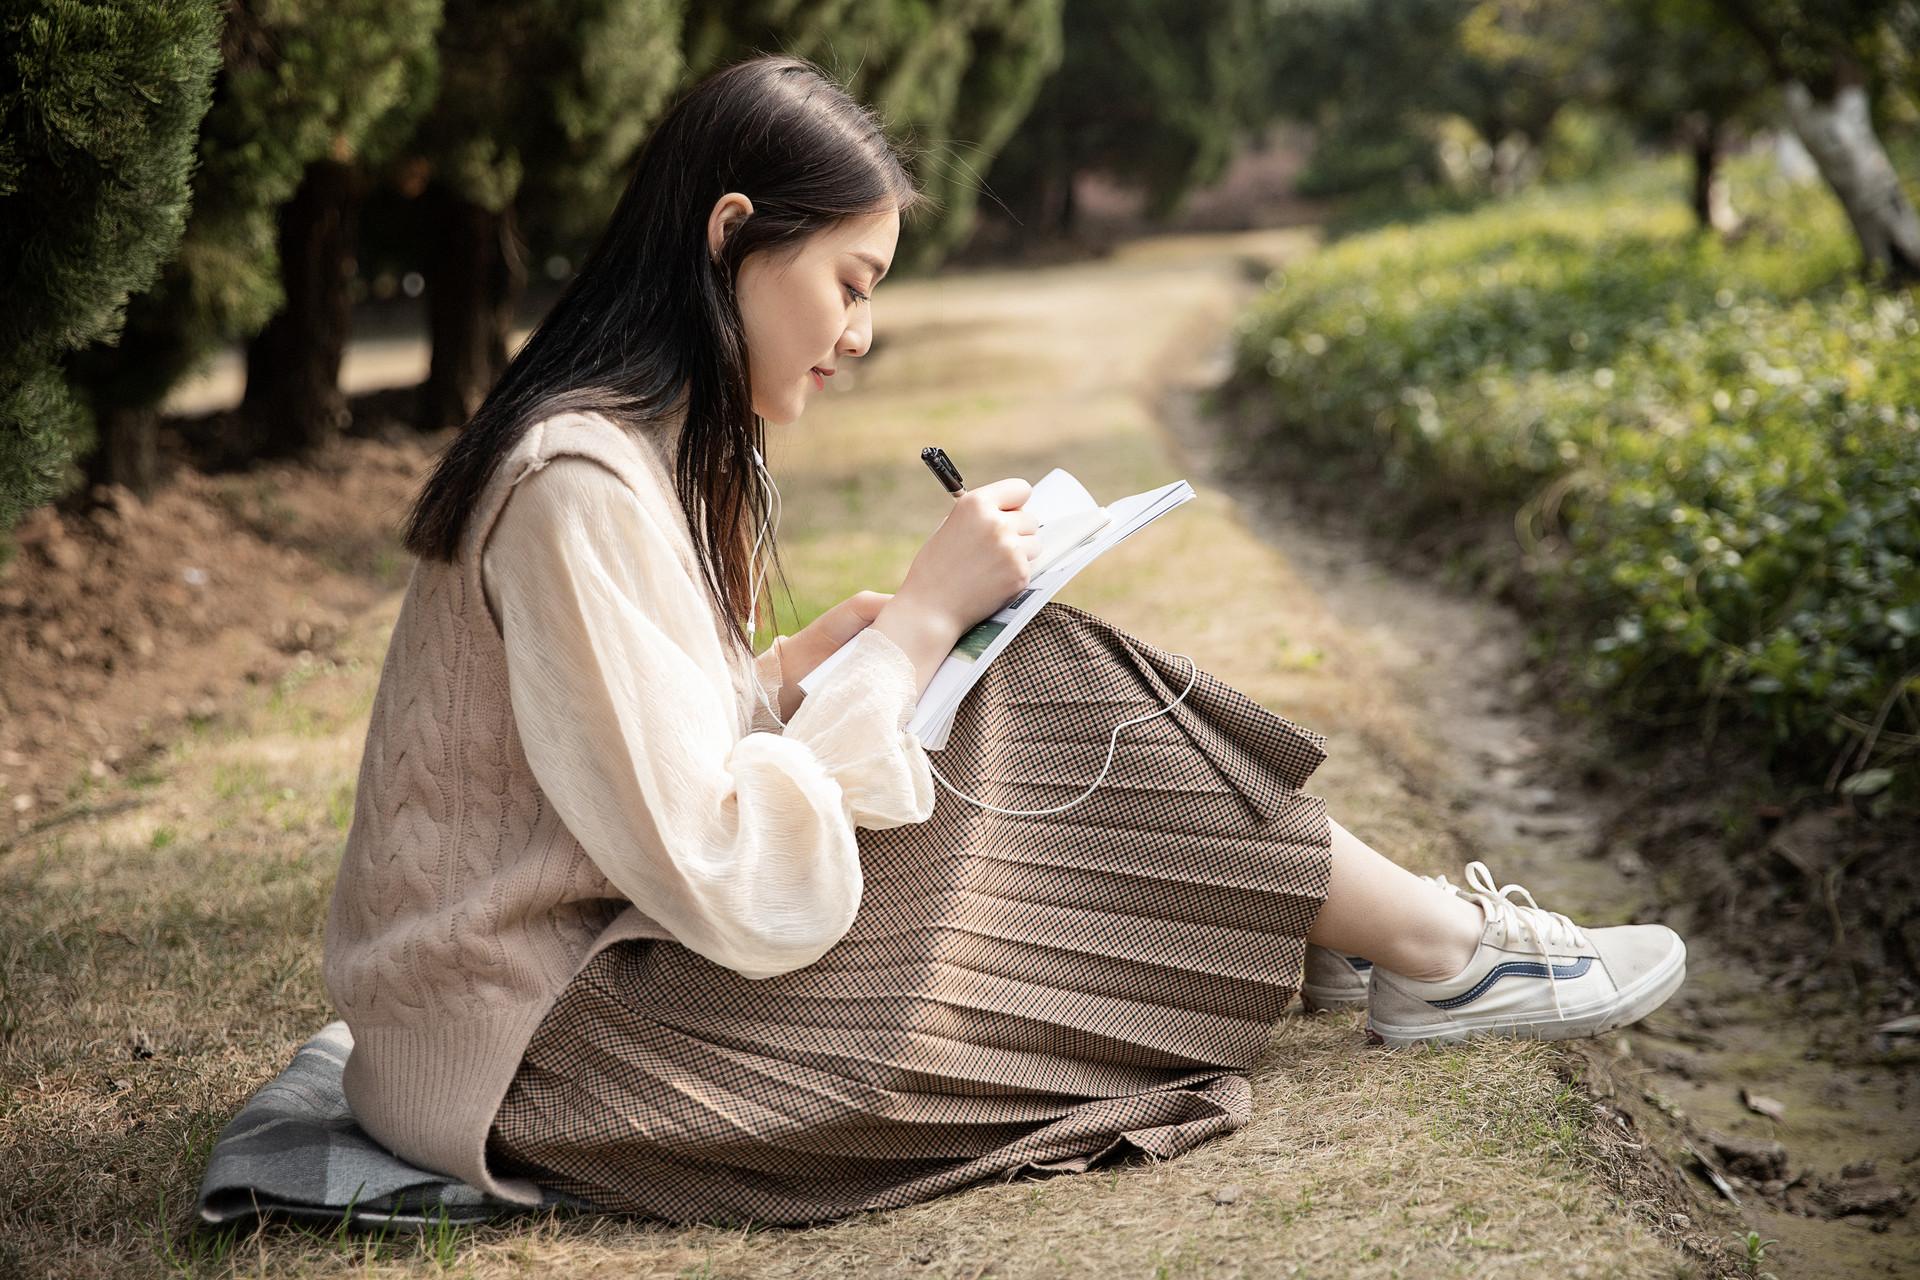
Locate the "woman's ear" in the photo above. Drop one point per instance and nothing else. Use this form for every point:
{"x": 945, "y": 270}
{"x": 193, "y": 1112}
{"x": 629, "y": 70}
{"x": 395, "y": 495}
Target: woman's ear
{"x": 728, "y": 212}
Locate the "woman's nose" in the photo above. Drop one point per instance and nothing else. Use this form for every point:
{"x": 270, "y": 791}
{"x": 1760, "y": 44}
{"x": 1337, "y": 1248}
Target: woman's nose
{"x": 857, "y": 338}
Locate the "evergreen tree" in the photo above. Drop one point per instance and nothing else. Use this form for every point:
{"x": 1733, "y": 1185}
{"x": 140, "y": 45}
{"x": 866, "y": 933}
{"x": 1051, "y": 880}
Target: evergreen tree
{"x": 1152, "y": 93}
{"x": 1368, "y": 76}
{"x": 1521, "y": 62}
{"x": 1014, "y": 55}
{"x": 951, "y": 82}
{"x": 1377, "y": 77}
{"x": 289, "y": 92}
{"x": 543, "y": 102}
{"x": 100, "y": 103}
{"x": 373, "y": 75}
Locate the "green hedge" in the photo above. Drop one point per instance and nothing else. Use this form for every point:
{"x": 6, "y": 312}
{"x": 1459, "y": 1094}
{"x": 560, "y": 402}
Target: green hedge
{"x": 1711, "y": 451}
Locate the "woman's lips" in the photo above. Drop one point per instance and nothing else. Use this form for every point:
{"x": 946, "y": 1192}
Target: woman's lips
{"x": 818, "y": 379}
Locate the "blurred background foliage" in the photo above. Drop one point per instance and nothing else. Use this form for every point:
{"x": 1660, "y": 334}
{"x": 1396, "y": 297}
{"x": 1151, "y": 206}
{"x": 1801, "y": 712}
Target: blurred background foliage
{"x": 1705, "y": 449}
{"x": 1632, "y": 275}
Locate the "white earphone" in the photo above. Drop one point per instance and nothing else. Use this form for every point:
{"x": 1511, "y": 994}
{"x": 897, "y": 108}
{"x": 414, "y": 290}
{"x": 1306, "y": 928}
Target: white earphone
{"x": 773, "y": 521}
{"x": 1113, "y": 742}
{"x": 772, "y": 514}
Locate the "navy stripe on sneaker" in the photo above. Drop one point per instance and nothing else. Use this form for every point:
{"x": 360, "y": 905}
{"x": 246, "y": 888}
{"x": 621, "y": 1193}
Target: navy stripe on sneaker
{"x": 1360, "y": 964}
{"x": 1514, "y": 969}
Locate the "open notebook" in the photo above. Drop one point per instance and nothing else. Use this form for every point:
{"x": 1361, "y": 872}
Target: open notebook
{"x": 1074, "y": 531}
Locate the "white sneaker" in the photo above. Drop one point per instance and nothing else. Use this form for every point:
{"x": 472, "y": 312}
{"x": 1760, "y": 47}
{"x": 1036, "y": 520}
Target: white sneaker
{"x": 1536, "y": 973}
{"x": 1335, "y": 980}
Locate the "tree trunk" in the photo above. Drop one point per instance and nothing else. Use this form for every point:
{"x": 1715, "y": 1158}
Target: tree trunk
{"x": 294, "y": 402}
{"x": 1053, "y": 212}
{"x": 474, "y": 279}
{"x": 1838, "y": 133}
{"x": 127, "y": 449}
{"x": 1712, "y": 205}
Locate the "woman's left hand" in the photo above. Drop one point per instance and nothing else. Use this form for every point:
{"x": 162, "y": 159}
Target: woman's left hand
{"x": 814, "y": 643}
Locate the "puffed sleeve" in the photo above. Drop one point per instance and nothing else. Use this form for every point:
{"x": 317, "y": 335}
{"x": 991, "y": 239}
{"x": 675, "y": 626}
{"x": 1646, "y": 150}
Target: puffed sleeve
{"x": 742, "y": 847}
{"x": 769, "y": 671}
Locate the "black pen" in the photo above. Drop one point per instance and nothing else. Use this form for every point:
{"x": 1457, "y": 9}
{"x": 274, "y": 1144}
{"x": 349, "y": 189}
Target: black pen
{"x": 943, "y": 469}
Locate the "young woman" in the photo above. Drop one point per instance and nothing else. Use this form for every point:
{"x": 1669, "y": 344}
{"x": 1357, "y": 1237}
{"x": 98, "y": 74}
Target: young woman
{"x": 623, "y": 918}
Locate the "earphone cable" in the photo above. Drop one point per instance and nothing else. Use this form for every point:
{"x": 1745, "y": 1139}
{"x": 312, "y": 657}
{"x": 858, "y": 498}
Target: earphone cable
{"x": 772, "y": 513}
{"x": 1113, "y": 743}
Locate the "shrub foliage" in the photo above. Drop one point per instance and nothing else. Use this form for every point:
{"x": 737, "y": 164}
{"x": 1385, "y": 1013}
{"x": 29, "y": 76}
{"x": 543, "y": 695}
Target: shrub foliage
{"x": 1711, "y": 451}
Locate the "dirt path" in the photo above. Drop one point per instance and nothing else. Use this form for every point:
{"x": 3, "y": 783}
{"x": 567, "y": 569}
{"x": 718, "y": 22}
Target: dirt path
{"x": 1514, "y": 781}
{"x": 161, "y": 948}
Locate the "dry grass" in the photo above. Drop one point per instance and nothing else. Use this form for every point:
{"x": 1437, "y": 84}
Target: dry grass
{"x": 180, "y": 917}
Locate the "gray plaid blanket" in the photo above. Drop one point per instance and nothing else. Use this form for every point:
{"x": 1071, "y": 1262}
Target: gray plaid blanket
{"x": 295, "y": 1151}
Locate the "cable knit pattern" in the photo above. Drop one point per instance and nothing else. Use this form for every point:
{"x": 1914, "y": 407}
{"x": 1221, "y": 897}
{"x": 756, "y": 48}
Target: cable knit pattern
{"x": 662, "y": 797}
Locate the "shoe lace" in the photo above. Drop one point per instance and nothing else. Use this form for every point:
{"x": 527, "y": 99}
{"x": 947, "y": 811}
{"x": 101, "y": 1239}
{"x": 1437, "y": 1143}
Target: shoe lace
{"x": 1546, "y": 928}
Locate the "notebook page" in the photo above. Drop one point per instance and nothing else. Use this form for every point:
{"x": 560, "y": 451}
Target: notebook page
{"x": 933, "y": 715}
{"x": 1055, "y": 496}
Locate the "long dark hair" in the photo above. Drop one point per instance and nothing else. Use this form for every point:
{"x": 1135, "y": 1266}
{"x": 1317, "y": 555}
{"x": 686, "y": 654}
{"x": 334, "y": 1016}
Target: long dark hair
{"x": 651, "y": 312}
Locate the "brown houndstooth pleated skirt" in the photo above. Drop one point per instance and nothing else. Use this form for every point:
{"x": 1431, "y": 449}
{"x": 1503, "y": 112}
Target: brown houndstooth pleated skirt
{"x": 1017, "y": 995}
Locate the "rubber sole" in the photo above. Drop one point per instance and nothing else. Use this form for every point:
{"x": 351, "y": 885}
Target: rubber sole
{"x": 1629, "y": 1005}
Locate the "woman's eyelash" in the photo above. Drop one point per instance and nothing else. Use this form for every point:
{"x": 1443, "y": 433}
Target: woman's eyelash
{"x": 859, "y": 296}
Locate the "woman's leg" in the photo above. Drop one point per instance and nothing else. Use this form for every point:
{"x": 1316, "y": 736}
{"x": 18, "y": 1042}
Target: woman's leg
{"x": 1453, "y": 966}
{"x": 1378, "y": 909}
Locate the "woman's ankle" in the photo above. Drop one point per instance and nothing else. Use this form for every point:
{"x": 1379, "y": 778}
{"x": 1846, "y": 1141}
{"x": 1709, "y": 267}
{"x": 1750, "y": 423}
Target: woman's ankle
{"x": 1447, "y": 957}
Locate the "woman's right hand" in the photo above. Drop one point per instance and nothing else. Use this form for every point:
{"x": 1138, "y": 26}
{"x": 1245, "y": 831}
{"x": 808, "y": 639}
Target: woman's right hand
{"x": 979, "y": 558}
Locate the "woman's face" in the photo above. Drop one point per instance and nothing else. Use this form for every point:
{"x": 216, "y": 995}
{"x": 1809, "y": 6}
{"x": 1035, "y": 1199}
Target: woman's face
{"x": 810, "y": 311}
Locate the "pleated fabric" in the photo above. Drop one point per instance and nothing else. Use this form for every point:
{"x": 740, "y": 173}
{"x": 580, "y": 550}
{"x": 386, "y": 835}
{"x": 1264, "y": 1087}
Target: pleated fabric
{"x": 1018, "y": 995}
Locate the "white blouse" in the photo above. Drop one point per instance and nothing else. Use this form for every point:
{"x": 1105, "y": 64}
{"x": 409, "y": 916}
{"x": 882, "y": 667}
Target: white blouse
{"x": 742, "y": 846}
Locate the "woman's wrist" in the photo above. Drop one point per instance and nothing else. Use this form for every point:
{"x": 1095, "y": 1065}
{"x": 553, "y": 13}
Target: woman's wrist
{"x": 922, "y": 633}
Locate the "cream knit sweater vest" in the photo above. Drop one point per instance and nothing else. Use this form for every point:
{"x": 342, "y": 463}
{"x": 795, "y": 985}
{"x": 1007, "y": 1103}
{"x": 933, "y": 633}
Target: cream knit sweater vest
{"x": 463, "y": 905}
